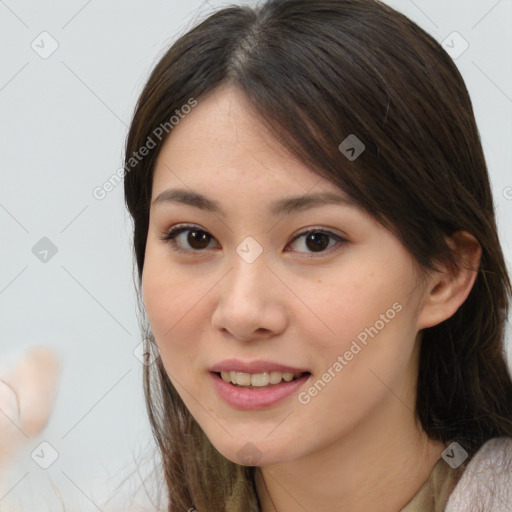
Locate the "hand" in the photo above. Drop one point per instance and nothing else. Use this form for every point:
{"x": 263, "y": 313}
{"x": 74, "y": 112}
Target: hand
{"x": 27, "y": 395}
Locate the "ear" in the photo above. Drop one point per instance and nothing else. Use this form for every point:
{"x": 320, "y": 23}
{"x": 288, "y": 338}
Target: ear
{"x": 448, "y": 289}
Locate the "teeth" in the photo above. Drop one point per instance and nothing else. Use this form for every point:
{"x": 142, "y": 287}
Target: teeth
{"x": 257, "y": 380}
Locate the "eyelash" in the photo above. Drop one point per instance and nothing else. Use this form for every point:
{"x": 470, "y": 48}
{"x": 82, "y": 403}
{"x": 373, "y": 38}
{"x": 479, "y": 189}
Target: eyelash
{"x": 170, "y": 236}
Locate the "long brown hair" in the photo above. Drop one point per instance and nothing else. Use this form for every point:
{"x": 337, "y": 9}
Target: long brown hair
{"x": 317, "y": 72}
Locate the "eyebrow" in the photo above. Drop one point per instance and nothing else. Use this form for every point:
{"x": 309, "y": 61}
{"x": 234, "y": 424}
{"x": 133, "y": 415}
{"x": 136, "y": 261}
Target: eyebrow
{"x": 286, "y": 206}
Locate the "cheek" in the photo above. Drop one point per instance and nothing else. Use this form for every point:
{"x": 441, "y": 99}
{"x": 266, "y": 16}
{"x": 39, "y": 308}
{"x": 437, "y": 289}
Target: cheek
{"x": 163, "y": 292}
{"x": 353, "y": 301}
{"x": 368, "y": 319}
{"x": 170, "y": 302}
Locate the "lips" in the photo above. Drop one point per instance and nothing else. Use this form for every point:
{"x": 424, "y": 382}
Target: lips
{"x": 254, "y": 399}
{"x": 261, "y": 366}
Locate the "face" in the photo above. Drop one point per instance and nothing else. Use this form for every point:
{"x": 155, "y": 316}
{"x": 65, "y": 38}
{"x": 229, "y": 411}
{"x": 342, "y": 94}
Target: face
{"x": 248, "y": 282}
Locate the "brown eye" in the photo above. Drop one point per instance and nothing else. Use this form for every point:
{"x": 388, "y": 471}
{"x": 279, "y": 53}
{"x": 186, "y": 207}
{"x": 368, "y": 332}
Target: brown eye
{"x": 197, "y": 239}
{"x": 317, "y": 241}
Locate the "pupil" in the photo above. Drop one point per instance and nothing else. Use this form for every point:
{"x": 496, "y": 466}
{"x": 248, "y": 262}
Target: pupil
{"x": 193, "y": 241}
{"x": 320, "y": 241}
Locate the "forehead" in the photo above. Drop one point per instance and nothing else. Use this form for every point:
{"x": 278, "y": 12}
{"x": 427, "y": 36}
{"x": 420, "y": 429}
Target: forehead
{"x": 223, "y": 145}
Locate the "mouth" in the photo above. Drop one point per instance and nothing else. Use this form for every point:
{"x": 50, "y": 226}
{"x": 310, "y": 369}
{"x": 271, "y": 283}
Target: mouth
{"x": 257, "y": 381}
{"x": 245, "y": 396}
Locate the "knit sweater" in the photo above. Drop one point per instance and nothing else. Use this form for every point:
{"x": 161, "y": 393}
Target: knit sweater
{"x": 481, "y": 484}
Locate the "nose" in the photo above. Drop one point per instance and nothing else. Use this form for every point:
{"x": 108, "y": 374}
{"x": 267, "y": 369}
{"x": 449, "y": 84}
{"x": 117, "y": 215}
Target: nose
{"x": 250, "y": 301}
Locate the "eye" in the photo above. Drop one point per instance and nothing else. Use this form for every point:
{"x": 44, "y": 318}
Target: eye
{"x": 317, "y": 240}
{"x": 198, "y": 239}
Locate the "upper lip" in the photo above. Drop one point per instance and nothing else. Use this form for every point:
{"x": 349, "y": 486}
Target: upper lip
{"x": 236, "y": 365}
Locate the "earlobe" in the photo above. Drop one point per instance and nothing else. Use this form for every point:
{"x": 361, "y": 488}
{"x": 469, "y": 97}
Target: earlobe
{"x": 448, "y": 289}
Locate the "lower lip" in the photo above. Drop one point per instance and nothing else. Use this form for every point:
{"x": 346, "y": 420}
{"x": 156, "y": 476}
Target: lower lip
{"x": 249, "y": 399}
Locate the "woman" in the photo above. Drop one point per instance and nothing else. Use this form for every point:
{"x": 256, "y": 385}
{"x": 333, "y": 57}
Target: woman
{"x": 363, "y": 372}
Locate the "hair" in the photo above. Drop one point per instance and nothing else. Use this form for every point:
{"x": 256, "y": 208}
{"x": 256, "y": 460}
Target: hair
{"x": 317, "y": 72}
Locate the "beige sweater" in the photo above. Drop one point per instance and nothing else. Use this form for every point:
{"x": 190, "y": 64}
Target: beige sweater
{"x": 481, "y": 484}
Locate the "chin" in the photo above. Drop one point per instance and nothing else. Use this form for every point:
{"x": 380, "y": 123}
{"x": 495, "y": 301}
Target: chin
{"x": 256, "y": 451}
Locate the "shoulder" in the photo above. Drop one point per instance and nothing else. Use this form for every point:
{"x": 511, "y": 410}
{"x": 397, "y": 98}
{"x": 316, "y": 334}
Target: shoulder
{"x": 486, "y": 484}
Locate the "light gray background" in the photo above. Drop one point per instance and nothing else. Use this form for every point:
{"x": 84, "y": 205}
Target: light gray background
{"x": 63, "y": 124}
